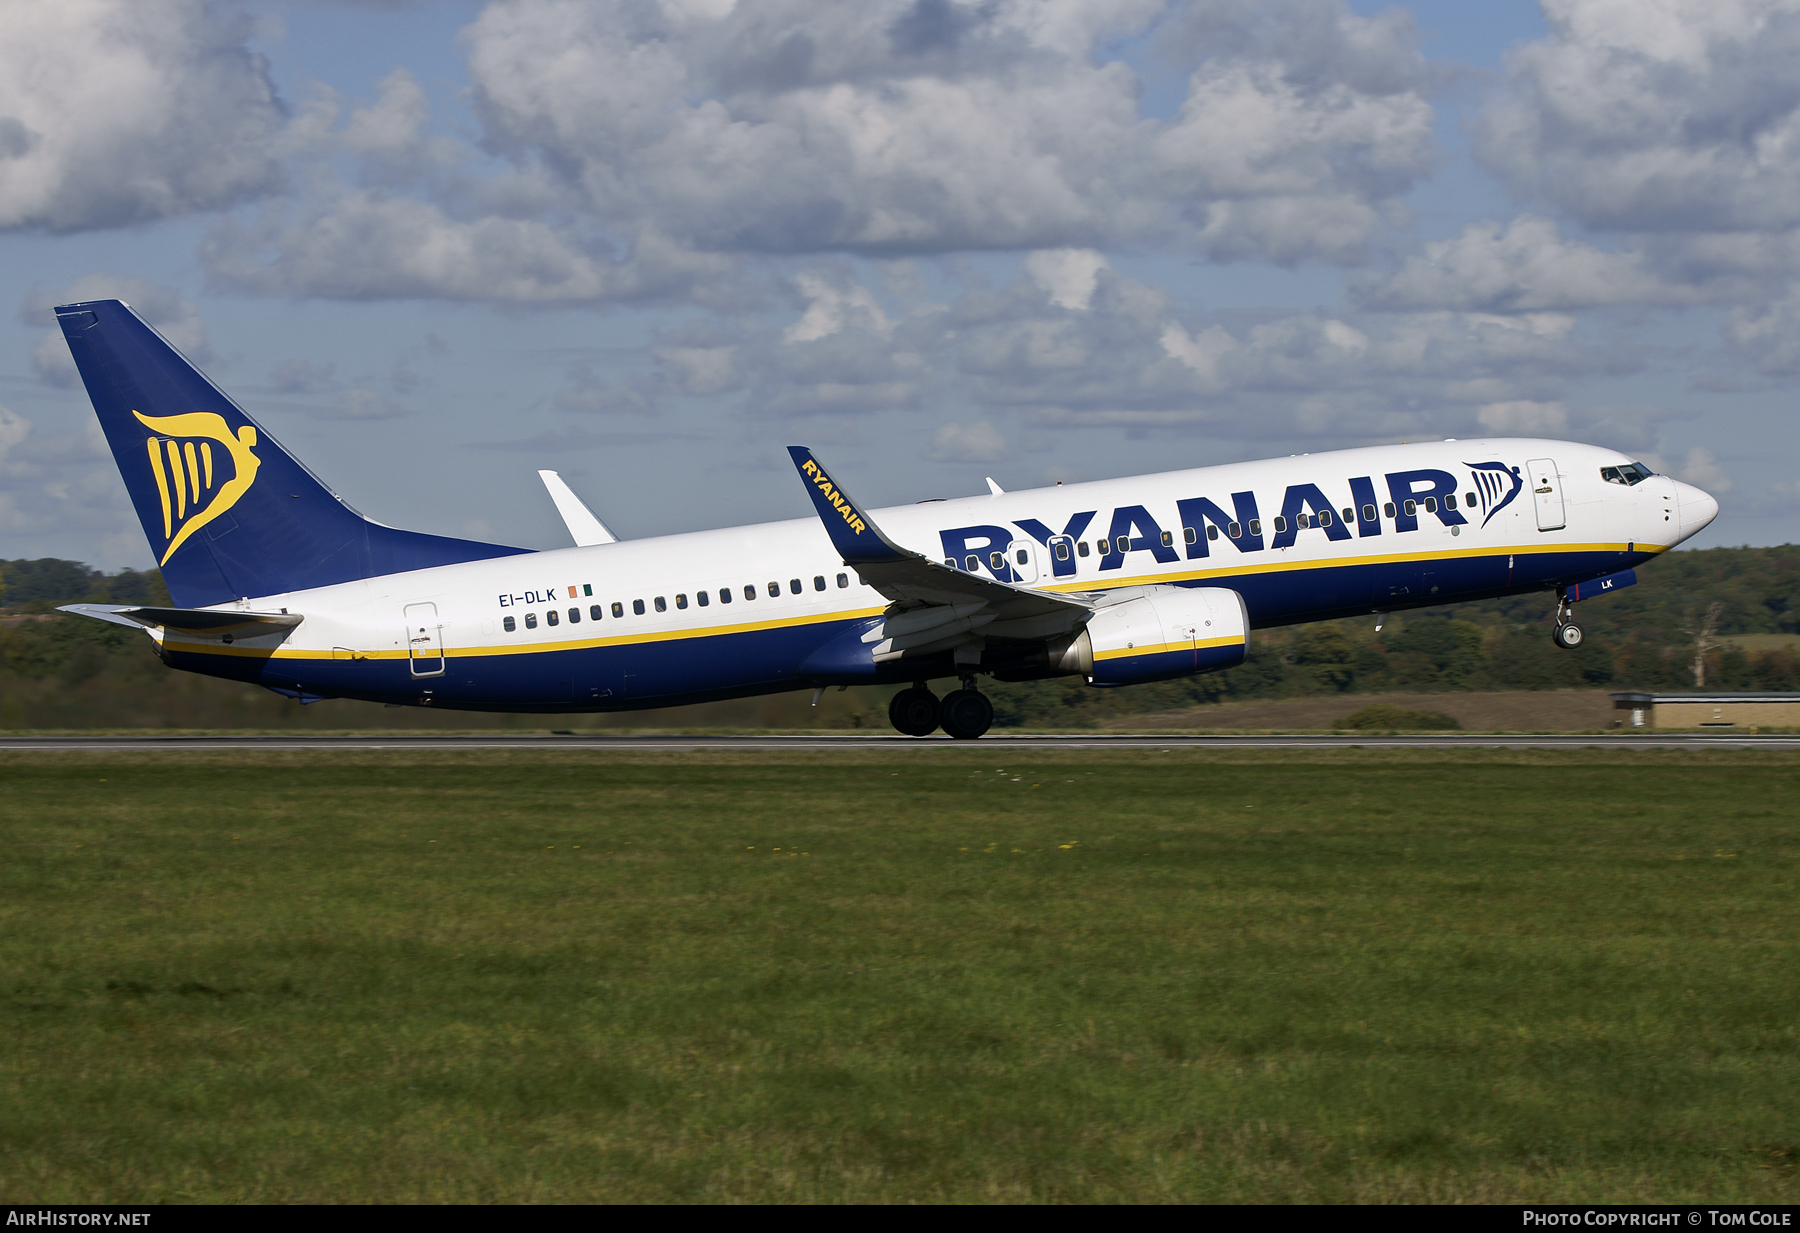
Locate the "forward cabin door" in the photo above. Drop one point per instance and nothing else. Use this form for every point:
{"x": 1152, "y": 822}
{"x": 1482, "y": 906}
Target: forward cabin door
{"x": 424, "y": 640}
{"x": 1546, "y": 490}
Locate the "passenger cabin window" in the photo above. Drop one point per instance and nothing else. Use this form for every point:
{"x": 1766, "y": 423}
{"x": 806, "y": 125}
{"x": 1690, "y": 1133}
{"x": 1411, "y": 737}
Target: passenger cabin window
{"x": 1388, "y": 509}
{"x": 1212, "y": 532}
{"x": 681, "y": 601}
{"x": 972, "y": 564}
{"x": 1234, "y": 530}
{"x": 1349, "y": 514}
{"x": 550, "y": 617}
{"x": 594, "y": 612}
{"x": 637, "y": 607}
{"x": 1324, "y": 517}
{"x": 749, "y": 590}
{"x": 1024, "y": 557}
{"x": 1255, "y": 527}
{"x": 1304, "y": 520}
{"x": 1411, "y": 507}
{"x": 1189, "y": 535}
{"x": 1101, "y": 548}
{"x": 618, "y": 610}
{"x": 950, "y": 561}
{"x": 508, "y": 624}
{"x": 703, "y": 597}
{"x": 774, "y": 590}
{"x": 1281, "y": 524}
{"x": 843, "y": 581}
{"x": 1449, "y": 501}
{"x": 1368, "y": 514}
{"x": 531, "y": 620}
{"x": 1081, "y": 549}
{"x": 794, "y": 587}
{"x": 1062, "y": 549}
{"x": 662, "y": 605}
{"x": 1168, "y": 537}
{"x": 818, "y": 582}
{"x": 996, "y": 561}
{"x": 1431, "y": 505}
{"x": 724, "y": 595}
{"x": 1469, "y": 501}
{"x": 574, "y": 616}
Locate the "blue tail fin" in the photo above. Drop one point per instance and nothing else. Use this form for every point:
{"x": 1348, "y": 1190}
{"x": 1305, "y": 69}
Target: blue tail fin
{"x": 228, "y": 512}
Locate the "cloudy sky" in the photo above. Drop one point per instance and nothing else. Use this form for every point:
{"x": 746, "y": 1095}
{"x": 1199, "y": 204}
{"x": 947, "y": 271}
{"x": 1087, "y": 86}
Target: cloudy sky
{"x": 433, "y": 247}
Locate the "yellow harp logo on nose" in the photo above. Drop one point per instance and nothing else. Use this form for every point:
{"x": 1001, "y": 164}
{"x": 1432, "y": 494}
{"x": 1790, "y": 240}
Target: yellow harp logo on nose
{"x": 193, "y": 489}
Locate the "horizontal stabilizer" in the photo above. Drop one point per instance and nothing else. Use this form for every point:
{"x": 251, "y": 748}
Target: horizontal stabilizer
{"x": 187, "y": 620}
{"x": 584, "y": 528}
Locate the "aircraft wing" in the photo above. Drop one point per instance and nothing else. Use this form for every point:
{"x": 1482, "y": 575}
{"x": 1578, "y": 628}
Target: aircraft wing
{"x": 909, "y": 578}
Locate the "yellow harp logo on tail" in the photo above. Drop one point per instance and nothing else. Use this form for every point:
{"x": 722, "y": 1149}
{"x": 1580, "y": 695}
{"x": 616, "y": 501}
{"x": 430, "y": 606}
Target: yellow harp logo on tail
{"x": 193, "y": 489}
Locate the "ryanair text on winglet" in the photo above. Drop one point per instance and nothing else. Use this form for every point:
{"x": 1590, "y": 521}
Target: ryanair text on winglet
{"x": 831, "y": 493}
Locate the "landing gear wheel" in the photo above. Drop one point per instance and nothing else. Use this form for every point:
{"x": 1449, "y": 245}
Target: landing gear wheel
{"x": 966, "y": 714}
{"x": 1568, "y": 636}
{"x": 914, "y": 712}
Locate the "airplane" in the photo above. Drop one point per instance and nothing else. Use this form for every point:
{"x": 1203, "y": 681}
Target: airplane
{"x": 276, "y": 580}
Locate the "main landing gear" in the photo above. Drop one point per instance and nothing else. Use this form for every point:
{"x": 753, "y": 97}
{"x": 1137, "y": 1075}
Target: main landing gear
{"x": 1567, "y": 634}
{"x": 963, "y": 713}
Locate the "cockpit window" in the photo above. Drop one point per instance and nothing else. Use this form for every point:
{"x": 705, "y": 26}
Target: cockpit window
{"x": 1629, "y": 474}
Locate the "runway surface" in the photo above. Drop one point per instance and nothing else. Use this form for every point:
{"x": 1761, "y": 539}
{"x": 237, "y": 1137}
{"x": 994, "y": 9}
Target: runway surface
{"x": 993, "y": 743}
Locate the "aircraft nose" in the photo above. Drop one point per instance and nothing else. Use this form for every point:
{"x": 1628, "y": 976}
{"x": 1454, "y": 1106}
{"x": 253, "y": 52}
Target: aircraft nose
{"x": 1697, "y": 508}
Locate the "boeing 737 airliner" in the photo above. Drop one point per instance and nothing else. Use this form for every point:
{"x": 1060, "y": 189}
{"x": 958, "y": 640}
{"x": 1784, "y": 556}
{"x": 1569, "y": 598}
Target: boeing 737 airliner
{"x": 276, "y": 580}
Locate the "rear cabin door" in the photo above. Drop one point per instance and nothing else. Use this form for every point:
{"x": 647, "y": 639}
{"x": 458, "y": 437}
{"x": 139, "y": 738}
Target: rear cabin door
{"x": 1546, "y": 491}
{"x": 424, "y": 640}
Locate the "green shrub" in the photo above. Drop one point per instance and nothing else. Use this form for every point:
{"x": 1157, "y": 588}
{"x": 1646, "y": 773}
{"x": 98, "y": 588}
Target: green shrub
{"x": 1381, "y": 716}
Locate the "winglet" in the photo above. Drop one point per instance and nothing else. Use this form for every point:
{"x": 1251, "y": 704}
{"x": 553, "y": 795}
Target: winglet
{"x": 858, "y": 540}
{"x": 585, "y": 529}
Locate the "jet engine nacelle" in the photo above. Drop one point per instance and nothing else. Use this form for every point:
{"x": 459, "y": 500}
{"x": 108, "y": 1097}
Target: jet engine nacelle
{"x": 1157, "y": 633}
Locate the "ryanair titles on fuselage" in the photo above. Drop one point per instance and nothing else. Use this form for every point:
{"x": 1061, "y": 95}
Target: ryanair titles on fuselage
{"x": 1425, "y": 491}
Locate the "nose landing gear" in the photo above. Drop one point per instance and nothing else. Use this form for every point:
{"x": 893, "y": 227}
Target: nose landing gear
{"x": 963, "y": 713}
{"x": 1567, "y": 634}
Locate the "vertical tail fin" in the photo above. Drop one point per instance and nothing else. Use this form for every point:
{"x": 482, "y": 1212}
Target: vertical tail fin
{"x": 227, "y": 511}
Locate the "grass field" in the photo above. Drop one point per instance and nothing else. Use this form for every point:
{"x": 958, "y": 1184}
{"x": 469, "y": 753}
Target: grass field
{"x": 911, "y": 975}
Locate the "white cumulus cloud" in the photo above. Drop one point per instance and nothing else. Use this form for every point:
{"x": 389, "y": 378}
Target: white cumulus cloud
{"x": 1656, "y": 115}
{"x": 118, "y": 111}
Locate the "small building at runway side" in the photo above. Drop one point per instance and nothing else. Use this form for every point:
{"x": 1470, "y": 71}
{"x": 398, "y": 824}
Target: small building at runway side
{"x": 1707, "y": 710}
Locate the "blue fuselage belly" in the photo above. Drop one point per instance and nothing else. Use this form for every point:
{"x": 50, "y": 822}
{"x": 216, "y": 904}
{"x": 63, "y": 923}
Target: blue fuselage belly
{"x": 677, "y": 671}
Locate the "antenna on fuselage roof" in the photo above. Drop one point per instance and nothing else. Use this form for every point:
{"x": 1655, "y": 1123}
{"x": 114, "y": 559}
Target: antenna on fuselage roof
{"x": 584, "y": 528}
